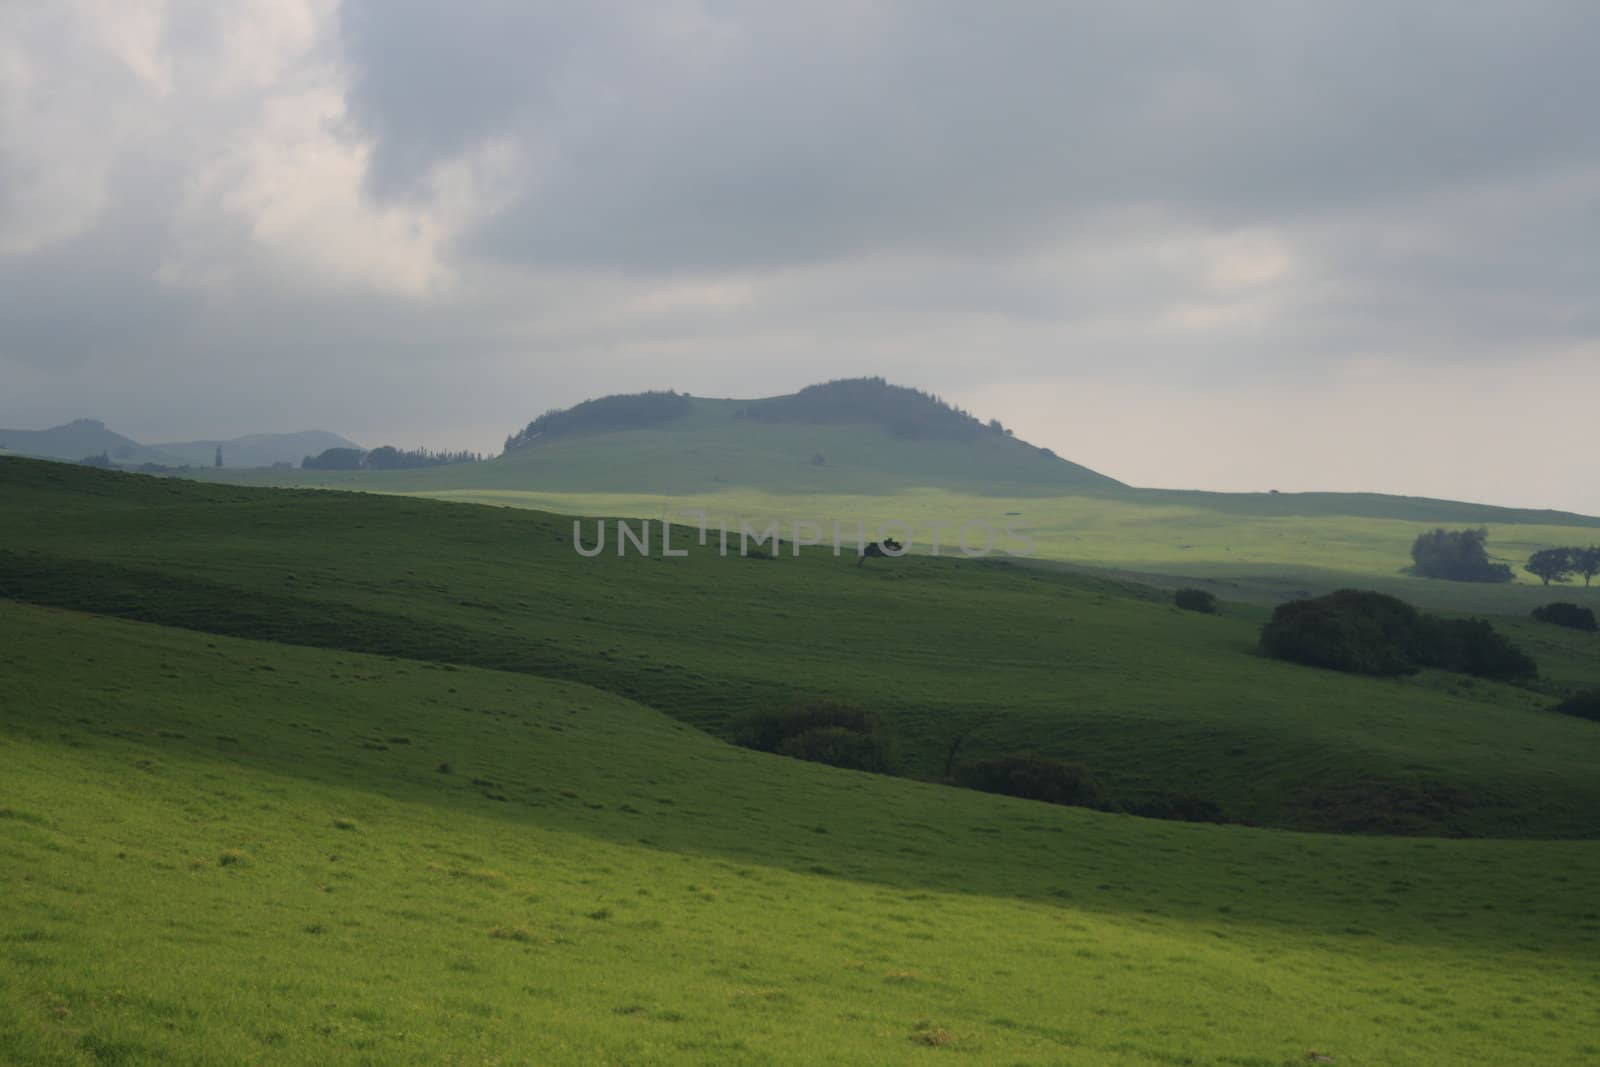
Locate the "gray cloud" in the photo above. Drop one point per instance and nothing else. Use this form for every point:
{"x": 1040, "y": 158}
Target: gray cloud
{"x": 774, "y": 134}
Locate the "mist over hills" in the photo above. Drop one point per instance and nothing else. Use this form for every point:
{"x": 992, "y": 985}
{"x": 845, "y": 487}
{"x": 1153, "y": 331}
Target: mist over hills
{"x": 258, "y": 450}
{"x": 862, "y": 436}
{"x": 90, "y": 437}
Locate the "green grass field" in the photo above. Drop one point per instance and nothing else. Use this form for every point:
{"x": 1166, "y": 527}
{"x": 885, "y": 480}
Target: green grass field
{"x": 1246, "y": 546}
{"x": 312, "y": 777}
{"x": 1153, "y": 700}
{"x": 225, "y": 851}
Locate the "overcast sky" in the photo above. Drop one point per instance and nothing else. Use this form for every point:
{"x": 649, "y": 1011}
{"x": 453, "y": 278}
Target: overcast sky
{"x": 1270, "y": 244}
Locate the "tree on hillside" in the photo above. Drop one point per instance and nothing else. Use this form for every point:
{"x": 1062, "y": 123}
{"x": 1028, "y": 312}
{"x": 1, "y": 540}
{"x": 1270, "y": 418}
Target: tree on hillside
{"x": 1550, "y": 564}
{"x": 1457, "y": 555}
{"x": 1586, "y": 561}
{"x": 906, "y": 413}
{"x": 629, "y": 411}
{"x": 334, "y": 459}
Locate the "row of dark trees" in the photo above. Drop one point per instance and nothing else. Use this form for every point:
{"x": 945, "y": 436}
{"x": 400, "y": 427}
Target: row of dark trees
{"x": 1559, "y": 564}
{"x": 385, "y": 458}
{"x": 606, "y": 414}
{"x": 905, "y": 412}
{"x": 1463, "y": 556}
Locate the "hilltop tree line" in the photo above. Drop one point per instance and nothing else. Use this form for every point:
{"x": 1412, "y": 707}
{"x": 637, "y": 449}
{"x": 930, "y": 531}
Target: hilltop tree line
{"x": 905, "y": 412}
{"x": 384, "y": 458}
{"x": 629, "y": 411}
{"x": 1463, "y": 556}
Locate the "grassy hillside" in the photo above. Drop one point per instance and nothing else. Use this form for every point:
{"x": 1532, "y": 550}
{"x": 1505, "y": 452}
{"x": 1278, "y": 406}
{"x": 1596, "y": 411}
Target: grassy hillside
{"x": 1264, "y": 552}
{"x": 866, "y": 450}
{"x": 74, "y": 440}
{"x": 1154, "y": 701}
{"x": 860, "y": 436}
{"x": 224, "y": 851}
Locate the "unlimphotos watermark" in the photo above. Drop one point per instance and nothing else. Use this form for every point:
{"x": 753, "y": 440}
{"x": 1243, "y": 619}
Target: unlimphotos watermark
{"x": 974, "y": 538}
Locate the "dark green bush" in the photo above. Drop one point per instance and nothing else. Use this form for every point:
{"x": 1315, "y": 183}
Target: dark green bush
{"x": 839, "y": 747}
{"x": 1459, "y": 555}
{"x": 1370, "y": 633}
{"x": 1031, "y": 777}
{"x": 1181, "y": 807}
{"x": 1585, "y": 705}
{"x": 765, "y": 731}
{"x": 838, "y": 734}
{"x": 1195, "y": 600}
{"x": 1569, "y": 615}
{"x": 1472, "y": 646}
{"x": 1364, "y": 633}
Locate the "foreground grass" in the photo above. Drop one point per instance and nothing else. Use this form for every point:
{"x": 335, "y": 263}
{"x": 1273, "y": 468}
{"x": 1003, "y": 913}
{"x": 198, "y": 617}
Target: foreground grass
{"x": 1153, "y": 700}
{"x": 222, "y": 851}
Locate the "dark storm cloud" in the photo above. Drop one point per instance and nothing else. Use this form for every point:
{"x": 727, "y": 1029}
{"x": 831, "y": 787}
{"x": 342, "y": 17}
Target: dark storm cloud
{"x": 665, "y": 138}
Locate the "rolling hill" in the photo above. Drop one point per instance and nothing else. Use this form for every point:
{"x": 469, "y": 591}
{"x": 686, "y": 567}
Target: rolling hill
{"x": 79, "y": 438}
{"x": 89, "y": 437}
{"x": 215, "y": 850}
{"x": 856, "y": 436}
{"x": 1157, "y": 703}
{"x": 327, "y": 777}
{"x": 864, "y": 450}
{"x": 257, "y": 450}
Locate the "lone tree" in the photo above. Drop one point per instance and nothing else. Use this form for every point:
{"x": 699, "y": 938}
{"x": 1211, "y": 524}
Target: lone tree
{"x": 1586, "y": 561}
{"x": 1550, "y": 564}
{"x": 889, "y": 548}
{"x": 219, "y": 457}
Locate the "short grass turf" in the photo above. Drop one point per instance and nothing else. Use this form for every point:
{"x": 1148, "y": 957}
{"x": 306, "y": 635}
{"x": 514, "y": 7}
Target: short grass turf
{"x": 1153, "y": 700}
{"x": 225, "y": 851}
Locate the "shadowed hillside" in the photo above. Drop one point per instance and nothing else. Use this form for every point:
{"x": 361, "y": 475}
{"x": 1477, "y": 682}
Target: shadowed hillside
{"x": 1158, "y": 703}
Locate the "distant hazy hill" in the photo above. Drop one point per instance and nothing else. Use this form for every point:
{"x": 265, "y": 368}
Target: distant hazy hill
{"x": 854, "y": 435}
{"x": 257, "y": 450}
{"x": 90, "y": 437}
{"x": 80, "y": 438}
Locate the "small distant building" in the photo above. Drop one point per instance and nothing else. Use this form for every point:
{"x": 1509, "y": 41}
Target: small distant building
{"x": 219, "y": 455}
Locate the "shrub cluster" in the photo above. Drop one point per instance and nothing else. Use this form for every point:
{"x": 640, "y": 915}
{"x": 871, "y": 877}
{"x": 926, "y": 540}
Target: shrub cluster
{"x": 1195, "y": 600}
{"x": 1370, "y": 633}
{"x": 1180, "y": 807}
{"x": 1569, "y": 615}
{"x": 1457, "y": 555}
{"x": 1472, "y": 646}
{"x": 836, "y": 734}
{"x": 383, "y": 458}
{"x": 1032, "y": 777}
{"x": 1585, "y": 705}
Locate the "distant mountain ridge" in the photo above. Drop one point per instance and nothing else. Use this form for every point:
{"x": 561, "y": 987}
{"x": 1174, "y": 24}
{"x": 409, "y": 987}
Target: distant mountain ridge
{"x": 259, "y": 449}
{"x": 846, "y": 435}
{"x": 905, "y": 412}
{"x": 80, "y": 438}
